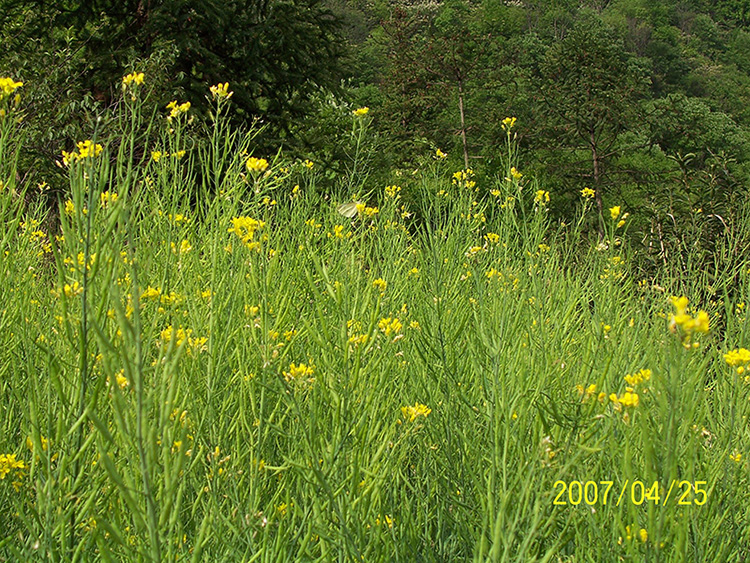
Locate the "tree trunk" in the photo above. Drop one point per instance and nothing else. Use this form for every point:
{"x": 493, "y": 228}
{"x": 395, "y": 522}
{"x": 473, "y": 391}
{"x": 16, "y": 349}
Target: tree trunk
{"x": 597, "y": 189}
{"x": 463, "y": 122}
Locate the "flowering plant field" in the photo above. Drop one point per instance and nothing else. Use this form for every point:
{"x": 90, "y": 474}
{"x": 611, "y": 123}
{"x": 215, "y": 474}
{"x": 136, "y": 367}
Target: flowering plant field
{"x": 230, "y": 366}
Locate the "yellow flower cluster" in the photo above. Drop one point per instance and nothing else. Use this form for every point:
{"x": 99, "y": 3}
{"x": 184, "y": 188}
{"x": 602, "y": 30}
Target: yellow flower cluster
{"x": 541, "y": 197}
{"x": 638, "y": 377}
{"x": 509, "y": 123}
{"x": 464, "y": 179}
{"x": 245, "y": 228}
{"x": 175, "y": 109}
{"x": 181, "y": 335}
{"x": 739, "y": 359}
{"x": 368, "y": 212}
{"x": 390, "y": 326}
{"x": 440, "y": 155}
{"x": 514, "y": 175}
{"x": 392, "y": 192}
{"x": 134, "y": 78}
{"x": 685, "y": 325}
{"x": 411, "y": 413}
{"x": 72, "y": 290}
{"x": 8, "y": 86}
{"x": 221, "y": 91}
{"x": 107, "y": 198}
{"x": 300, "y": 373}
{"x": 630, "y": 533}
{"x": 380, "y": 284}
{"x": 256, "y": 164}
{"x": 588, "y": 392}
{"x": 628, "y": 399}
{"x": 86, "y": 149}
{"x": 361, "y": 112}
{"x": 8, "y": 463}
{"x": 156, "y": 156}
{"x": 587, "y": 193}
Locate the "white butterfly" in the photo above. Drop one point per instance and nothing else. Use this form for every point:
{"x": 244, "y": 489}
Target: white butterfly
{"x": 348, "y": 210}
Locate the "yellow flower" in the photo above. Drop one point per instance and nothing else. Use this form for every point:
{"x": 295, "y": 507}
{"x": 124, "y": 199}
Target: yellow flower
{"x": 8, "y": 86}
{"x": 86, "y": 149}
{"x": 683, "y": 323}
{"x": 361, "y": 112}
{"x": 638, "y": 377}
{"x": 735, "y": 456}
{"x": 121, "y": 380}
{"x": 245, "y": 228}
{"x": 72, "y": 290}
{"x": 8, "y": 463}
{"x": 299, "y": 372}
{"x": 440, "y": 154}
{"x": 541, "y": 197}
{"x": 256, "y": 164}
{"x": 509, "y": 123}
{"x": 392, "y": 191}
{"x": 107, "y": 198}
{"x": 738, "y": 359}
{"x": 380, "y": 284}
{"x": 177, "y": 109}
{"x": 151, "y": 294}
{"x": 411, "y": 413}
{"x": 588, "y": 193}
{"x": 221, "y": 91}
{"x": 388, "y": 326}
{"x": 134, "y": 78}
{"x": 156, "y": 155}
{"x": 614, "y": 211}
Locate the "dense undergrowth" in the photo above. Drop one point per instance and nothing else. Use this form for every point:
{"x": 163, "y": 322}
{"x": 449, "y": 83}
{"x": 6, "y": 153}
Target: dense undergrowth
{"x": 236, "y": 367}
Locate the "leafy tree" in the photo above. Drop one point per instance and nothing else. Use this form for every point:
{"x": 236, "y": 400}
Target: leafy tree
{"x": 589, "y": 96}
{"x": 275, "y": 53}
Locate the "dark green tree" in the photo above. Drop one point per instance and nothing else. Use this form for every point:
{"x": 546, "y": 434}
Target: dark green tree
{"x": 275, "y": 53}
{"x": 589, "y": 96}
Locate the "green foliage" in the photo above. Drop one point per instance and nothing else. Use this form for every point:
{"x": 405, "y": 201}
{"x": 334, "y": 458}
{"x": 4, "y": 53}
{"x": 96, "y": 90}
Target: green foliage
{"x": 259, "y": 377}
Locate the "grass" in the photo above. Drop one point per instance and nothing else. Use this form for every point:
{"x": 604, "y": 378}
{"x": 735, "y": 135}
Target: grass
{"x": 180, "y": 387}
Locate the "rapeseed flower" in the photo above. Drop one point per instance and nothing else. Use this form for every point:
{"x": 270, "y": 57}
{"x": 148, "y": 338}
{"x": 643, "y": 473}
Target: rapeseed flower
{"x": 175, "y": 109}
{"x": 508, "y": 123}
{"x": 738, "y": 359}
{"x": 245, "y": 228}
{"x": 541, "y": 197}
{"x": 638, "y": 377}
{"x": 8, "y": 463}
{"x": 221, "y": 91}
{"x": 685, "y": 325}
{"x": 614, "y": 212}
{"x": 392, "y": 192}
{"x": 7, "y": 87}
{"x": 256, "y": 164}
{"x": 361, "y": 112}
{"x": 390, "y": 326}
{"x": 440, "y": 155}
{"x": 380, "y": 284}
{"x": 86, "y": 149}
{"x": 300, "y": 373}
{"x": 411, "y": 413}
{"x": 587, "y": 193}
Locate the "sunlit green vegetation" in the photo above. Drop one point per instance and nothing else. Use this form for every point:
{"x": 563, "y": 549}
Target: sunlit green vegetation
{"x": 207, "y": 356}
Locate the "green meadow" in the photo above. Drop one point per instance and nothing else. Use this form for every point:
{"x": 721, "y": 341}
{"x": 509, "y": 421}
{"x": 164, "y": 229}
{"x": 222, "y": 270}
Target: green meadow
{"x": 207, "y": 357}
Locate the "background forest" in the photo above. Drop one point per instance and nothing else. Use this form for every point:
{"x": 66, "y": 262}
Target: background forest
{"x": 644, "y": 102}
